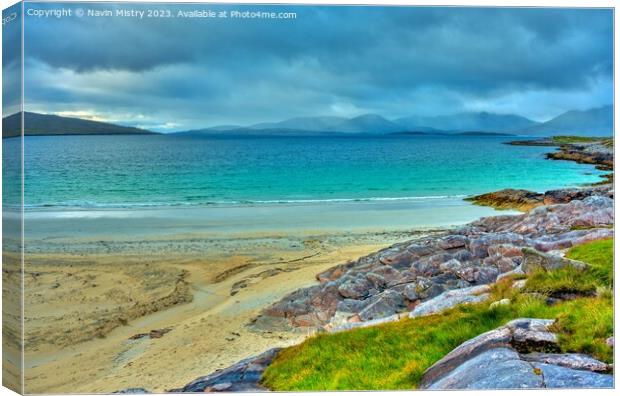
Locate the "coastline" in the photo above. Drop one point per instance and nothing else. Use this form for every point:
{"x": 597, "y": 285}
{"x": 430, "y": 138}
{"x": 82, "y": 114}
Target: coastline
{"x": 435, "y": 274}
{"x": 229, "y": 276}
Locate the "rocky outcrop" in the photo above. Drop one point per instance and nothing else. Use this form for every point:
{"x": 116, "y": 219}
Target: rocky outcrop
{"x": 525, "y": 200}
{"x": 509, "y": 198}
{"x": 521, "y": 354}
{"x": 436, "y": 272}
{"x": 241, "y": 377}
{"x": 594, "y": 151}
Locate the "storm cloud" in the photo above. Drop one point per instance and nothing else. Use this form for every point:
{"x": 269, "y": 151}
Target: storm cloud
{"x": 179, "y": 73}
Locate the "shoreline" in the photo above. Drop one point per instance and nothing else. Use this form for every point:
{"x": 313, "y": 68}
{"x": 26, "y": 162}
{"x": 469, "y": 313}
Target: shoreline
{"x": 231, "y": 279}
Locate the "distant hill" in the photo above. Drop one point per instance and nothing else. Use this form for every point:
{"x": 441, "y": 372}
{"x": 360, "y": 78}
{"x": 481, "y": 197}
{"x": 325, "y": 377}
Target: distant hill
{"x": 594, "y": 122}
{"x": 308, "y": 126}
{"x": 241, "y": 131}
{"x": 315, "y": 124}
{"x": 370, "y": 123}
{"x": 464, "y": 122}
{"x": 44, "y": 124}
{"x": 376, "y": 124}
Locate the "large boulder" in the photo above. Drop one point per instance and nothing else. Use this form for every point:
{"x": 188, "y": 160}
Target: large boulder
{"x": 497, "y": 368}
{"x": 534, "y": 260}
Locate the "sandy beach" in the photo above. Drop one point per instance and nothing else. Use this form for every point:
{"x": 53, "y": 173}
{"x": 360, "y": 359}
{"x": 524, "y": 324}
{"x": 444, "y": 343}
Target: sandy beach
{"x": 83, "y": 310}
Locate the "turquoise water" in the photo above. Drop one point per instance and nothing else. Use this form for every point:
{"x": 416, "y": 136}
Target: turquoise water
{"x": 145, "y": 171}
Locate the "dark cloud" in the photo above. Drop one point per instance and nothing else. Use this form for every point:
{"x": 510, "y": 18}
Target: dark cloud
{"x": 330, "y": 60}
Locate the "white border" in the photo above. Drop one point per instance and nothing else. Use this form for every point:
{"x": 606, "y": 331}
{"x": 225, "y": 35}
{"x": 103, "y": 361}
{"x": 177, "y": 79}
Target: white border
{"x": 481, "y": 3}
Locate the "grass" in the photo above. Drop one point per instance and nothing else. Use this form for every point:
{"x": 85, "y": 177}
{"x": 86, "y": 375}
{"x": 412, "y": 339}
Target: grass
{"x": 565, "y": 139}
{"x": 599, "y": 255}
{"x": 395, "y": 355}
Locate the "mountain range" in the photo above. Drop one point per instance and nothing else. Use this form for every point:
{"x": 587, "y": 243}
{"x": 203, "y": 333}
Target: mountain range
{"x": 593, "y": 122}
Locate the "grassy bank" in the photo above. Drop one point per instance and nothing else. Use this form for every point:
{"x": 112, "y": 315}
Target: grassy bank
{"x": 581, "y": 139}
{"x": 395, "y": 355}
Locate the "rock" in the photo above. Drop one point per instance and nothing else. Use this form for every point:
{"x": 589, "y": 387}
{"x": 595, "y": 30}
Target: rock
{"x": 566, "y": 195}
{"x": 355, "y": 288}
{"x": 562, "y": 377}
{"x": 133, "y": 391}
{"x": 450, "y": 299}
{"x": 610, "y": 342}
{"x": 451, "y": 265}
{"x": 498, "y": 368}
{"x": 515, "y": 272}
{"x": 453, "y": 242}
{"x": 484, "y": 275}
{"x": 399, "y": 260}
{"x": 500, "y": 303}
{"x": 500, "y": 337}
{"x": 426, "y": 288}
{"x": 533, "y": 334}
{"x": 155, "y": 333}
{"x": 430, "y": 266}
{"x": 575, "y": 361}
{"x": 534, "y": 260}
{"x": 243, "y": 376}
{"x": 509, "y": 199}
{"x": 505, "y": 250}
{"x": 356, "y": 325}
{"x": 410, "y": 292}
{"x": 467, "y": 273}
{"x": 334, "y": 273}
{"x": 385, "y": 304}
{"x": 566, "y": 240}
{"x": 388, "y": 276}
{"x": 480, "y": 247}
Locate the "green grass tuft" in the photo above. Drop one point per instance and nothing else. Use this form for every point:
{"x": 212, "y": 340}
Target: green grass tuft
{"x": 600, "y": 256}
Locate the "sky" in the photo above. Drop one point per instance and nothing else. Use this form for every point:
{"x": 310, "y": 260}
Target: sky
{"x": 170, "y": 74}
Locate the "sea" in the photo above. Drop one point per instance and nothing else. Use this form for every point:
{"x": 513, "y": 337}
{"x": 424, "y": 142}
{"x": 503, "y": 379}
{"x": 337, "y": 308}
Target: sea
{"x": 163, "y": 171}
